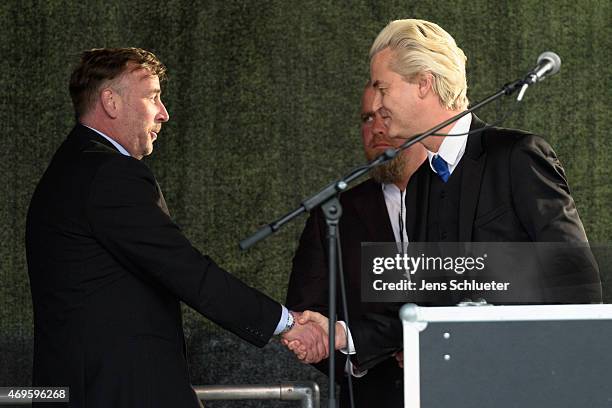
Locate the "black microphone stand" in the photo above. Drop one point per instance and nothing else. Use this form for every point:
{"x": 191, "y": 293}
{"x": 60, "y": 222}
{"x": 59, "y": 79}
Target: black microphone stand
{"x": 327, "y": 199}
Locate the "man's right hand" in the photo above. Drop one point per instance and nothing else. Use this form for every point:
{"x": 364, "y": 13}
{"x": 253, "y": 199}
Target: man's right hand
{"x": 310, "y": 341}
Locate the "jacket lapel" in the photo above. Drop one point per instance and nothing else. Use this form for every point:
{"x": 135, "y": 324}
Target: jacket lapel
{"x": 92, "y": 141}
{"x": 417, "y": 204}
{"x": 474, "y": 161}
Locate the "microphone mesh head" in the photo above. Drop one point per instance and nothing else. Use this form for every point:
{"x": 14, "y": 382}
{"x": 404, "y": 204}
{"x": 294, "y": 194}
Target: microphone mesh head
{"x": 552, "y": 57}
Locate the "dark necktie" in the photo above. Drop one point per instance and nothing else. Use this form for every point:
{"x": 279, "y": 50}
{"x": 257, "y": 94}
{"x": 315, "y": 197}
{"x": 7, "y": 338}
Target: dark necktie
{"x": 441, "y": 167}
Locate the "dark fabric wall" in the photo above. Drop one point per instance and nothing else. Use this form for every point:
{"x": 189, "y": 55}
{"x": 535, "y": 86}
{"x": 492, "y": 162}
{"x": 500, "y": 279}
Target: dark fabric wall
{"x": 263, "y": 100}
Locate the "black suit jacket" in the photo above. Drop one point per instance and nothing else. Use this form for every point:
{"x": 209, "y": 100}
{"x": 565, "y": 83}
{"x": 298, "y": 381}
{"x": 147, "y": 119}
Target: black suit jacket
{"x": 108, "y": 268}
{"x": 514, "y": 189}
{"x": 375, "y": 327}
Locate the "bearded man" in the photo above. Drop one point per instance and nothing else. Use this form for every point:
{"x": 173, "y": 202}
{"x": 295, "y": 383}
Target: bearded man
{"x": 373, "y": 211}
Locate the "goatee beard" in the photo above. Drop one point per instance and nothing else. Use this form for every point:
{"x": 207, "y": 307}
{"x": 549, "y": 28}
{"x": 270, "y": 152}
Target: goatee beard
{"x": 390, "y": 172}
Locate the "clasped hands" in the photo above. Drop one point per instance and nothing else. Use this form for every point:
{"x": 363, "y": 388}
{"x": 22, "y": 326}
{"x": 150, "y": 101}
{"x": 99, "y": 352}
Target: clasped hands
{"x": 308, "y": 338}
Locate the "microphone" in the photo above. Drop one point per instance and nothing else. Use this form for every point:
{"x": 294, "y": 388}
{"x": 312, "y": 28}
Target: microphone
{"x": 549, "y": 63}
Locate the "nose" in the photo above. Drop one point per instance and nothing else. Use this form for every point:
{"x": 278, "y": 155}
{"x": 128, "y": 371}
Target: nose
{"x": 163, "y": 115}
{"x": 378, "y": 127}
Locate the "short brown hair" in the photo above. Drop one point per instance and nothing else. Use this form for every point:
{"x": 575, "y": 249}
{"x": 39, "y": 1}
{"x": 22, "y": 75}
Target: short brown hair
{"x": 99, "y": 65}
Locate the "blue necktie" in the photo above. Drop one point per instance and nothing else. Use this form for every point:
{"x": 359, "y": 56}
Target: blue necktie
{"x": 441, "y": 167}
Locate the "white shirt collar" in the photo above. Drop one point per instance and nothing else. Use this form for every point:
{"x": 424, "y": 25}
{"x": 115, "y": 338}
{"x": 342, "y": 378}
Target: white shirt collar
{"x": 453, "y": 147}
{"x": 392, "y": 188}
{"x": 116, "y": 144}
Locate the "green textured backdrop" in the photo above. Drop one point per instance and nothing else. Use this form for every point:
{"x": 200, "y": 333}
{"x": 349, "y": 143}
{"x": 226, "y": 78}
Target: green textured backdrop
{"x": 263, "y": 100}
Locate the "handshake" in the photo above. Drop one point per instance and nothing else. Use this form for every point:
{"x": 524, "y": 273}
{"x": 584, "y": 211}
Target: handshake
{"x": 308, "y": 338}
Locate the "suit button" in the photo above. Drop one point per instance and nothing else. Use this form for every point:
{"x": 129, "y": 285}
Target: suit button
{"x": 443, "y": 195}
{"x": 444, "y": 235}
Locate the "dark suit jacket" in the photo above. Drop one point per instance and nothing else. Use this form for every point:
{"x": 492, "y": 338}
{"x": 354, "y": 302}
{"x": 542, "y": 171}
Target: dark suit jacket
{"x": 514, "y": 189}
{"x": 108, "y": 269}
{"x": 375, "y": 327}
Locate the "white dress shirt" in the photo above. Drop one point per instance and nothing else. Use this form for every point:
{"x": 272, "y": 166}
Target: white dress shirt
{"x": 453, "y": 147}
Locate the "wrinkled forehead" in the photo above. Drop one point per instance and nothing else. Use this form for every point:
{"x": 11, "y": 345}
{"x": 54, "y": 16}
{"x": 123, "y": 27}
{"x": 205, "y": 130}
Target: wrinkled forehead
{"x": 137, "y": 77}
{"x": 140, "y": 73}
{"x": 383, "y": 67}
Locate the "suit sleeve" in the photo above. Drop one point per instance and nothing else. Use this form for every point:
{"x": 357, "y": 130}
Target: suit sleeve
{"x": 125, "y": 215}
{"x": 376, "y": 335}
{"x": 548, "y": 213}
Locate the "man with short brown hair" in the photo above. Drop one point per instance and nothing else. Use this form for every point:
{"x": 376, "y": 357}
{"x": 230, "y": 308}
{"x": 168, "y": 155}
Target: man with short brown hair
{"x": 108, "y": 267}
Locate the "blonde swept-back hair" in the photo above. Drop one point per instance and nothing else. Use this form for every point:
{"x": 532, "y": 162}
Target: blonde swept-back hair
{"x": 420, "y": 46}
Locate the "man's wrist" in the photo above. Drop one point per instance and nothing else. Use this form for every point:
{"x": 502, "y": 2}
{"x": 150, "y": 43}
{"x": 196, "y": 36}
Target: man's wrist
{"x": 291, "y": 319}
{"x": 341, "y": 337}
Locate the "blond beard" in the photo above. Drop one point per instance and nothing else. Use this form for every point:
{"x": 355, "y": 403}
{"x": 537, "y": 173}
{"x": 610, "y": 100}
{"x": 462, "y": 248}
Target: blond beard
{"x": 390, "y": 172}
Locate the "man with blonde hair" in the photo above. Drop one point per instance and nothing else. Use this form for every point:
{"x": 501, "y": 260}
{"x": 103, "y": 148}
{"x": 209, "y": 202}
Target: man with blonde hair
{"x": 492, "y": 185}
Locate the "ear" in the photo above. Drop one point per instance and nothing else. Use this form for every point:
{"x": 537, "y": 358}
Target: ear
{"x": 110, "y": 102}
{"x": 425, "y": 84}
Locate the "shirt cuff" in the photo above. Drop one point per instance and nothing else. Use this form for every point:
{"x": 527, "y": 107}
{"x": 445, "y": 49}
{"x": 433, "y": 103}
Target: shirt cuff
{"x": 284, "y": 320}
{"x": 351, "y": 369}
{"x": 350, "y": 346}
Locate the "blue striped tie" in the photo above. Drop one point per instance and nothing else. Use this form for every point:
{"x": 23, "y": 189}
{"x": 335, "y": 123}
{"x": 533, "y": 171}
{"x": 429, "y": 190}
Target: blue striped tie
{"x": 441, "y": 167}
